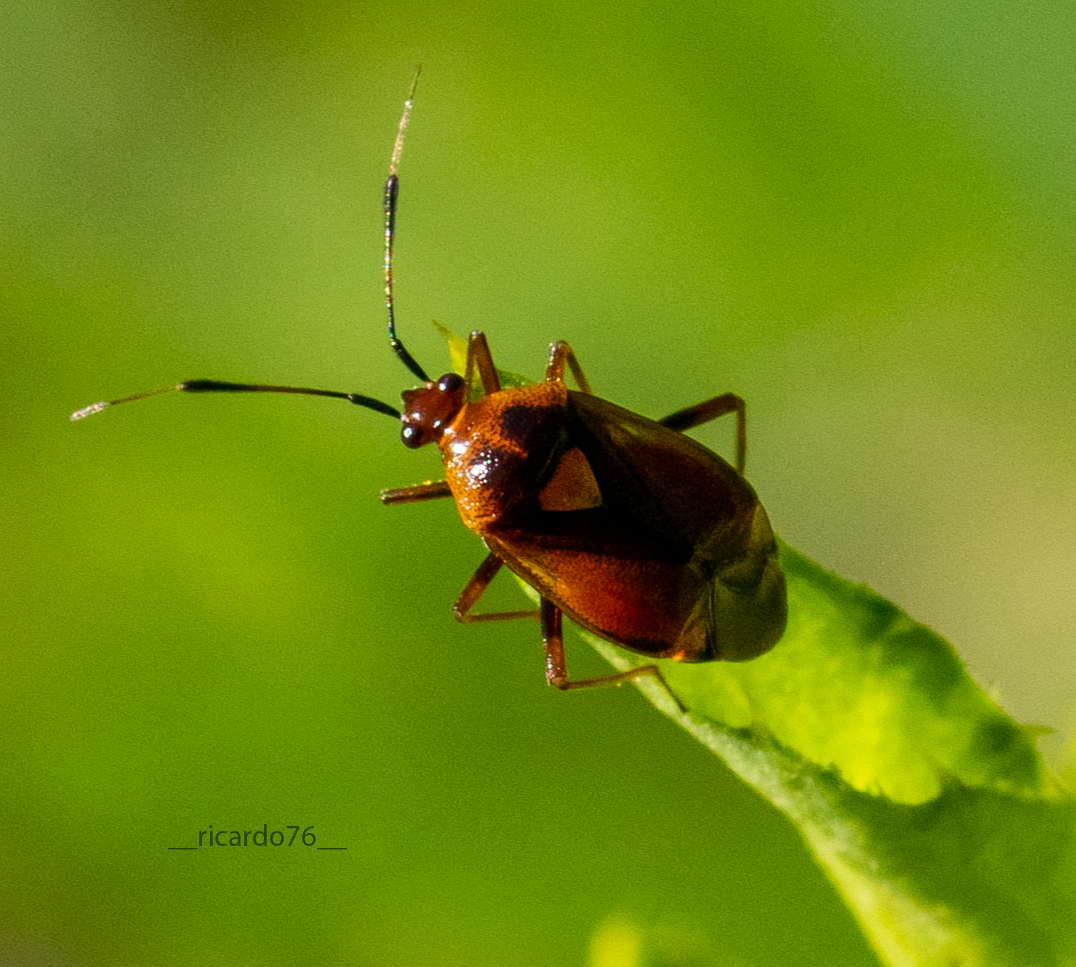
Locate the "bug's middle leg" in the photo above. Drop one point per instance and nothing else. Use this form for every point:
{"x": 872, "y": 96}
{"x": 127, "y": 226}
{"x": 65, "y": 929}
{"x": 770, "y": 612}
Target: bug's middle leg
{"x": 709, "y": 410}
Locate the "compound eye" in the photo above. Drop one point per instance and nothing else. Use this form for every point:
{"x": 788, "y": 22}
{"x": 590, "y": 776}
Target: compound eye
{"x": 411, "y": 436}
{"x": 450, "y": 383}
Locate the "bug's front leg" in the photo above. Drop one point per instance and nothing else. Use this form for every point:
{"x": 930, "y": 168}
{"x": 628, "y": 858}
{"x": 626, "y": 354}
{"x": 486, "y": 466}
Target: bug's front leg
{"x": 709, "y": 410}
{"x": 556, "y": 669}
{"x": 430, "y": 490}
{"x": 479, "y": 357}
{"x": 561, "y": 354}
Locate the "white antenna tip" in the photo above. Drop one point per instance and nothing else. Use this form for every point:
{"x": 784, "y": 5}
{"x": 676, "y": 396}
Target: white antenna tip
{"x": 89, "y": 410}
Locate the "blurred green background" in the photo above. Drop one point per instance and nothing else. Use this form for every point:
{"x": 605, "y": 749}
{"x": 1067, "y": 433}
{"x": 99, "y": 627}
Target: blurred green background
{"x": 861, "y": 216}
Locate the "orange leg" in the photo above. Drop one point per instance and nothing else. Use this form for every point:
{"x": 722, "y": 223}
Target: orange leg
{"x": 560, "y": 353}
{"x": 478, "y": 355}
{"x": 562, "y": 356}
{"x": 431, "y": 490}
{"x": 480, "y": 580}
{"x": 556, "y": 670}
{"x": 710, "y": 410}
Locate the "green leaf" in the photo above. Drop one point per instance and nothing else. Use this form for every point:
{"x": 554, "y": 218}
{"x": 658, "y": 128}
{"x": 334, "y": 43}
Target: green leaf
{"x": 928, "y": 807}
{"x": 457, "y": 348}
{"x": 858, "y": 686}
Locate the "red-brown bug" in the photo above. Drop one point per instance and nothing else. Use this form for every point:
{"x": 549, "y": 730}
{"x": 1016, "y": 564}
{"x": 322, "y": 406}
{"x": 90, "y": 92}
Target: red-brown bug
{"x": 635, "y": 531}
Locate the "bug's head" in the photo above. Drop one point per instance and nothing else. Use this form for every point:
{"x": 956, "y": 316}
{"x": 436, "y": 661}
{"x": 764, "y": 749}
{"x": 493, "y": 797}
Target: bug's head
{"x": 429, "y": 410}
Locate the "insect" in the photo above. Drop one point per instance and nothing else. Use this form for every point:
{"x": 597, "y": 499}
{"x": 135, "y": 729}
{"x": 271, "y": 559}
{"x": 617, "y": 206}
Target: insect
{"x": 635, "y": 531}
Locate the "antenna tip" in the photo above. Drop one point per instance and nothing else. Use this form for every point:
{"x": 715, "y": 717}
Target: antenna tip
{"x": 89, "y": 410}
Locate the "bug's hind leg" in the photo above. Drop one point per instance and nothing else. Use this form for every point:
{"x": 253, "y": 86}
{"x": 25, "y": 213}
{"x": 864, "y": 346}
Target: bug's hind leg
{"x": 710, "y": 410}
{"x": 476, "y": 587}
{"x": 556, "y": 670}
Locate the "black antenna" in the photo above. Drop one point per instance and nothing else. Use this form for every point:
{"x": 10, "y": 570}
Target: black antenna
{"x": 392, "y": 189}
{"x": 216, "y": 386}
